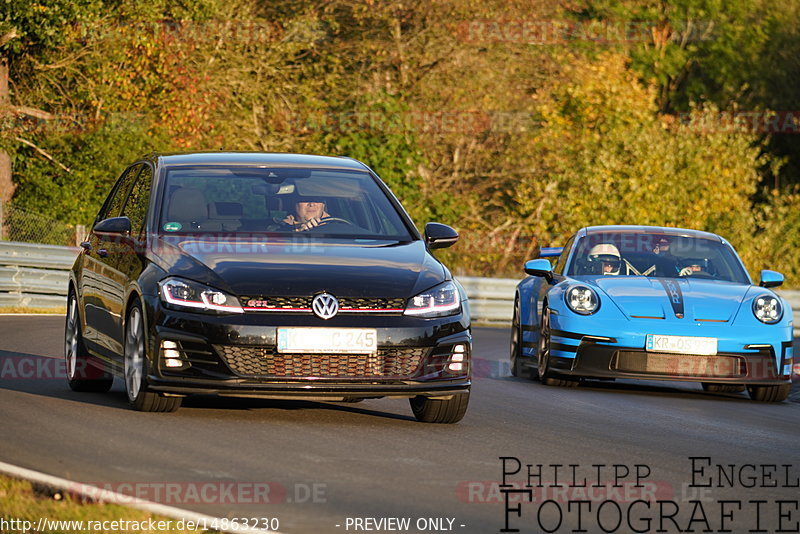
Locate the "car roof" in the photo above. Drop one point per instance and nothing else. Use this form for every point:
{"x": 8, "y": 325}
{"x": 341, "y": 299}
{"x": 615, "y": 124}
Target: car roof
{"x": 640, "y": 229}
{"x": 258, "y": 158}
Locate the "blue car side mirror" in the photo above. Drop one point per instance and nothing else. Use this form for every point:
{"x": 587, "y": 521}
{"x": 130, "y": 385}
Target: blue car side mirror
{"x": 539, "y": 267}
{"x": 770, "y": 278}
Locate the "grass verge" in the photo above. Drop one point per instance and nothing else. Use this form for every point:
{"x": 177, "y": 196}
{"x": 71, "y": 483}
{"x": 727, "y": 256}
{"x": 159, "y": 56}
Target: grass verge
{"x": 21, "y": 502}
{"x": 41, "y": 311}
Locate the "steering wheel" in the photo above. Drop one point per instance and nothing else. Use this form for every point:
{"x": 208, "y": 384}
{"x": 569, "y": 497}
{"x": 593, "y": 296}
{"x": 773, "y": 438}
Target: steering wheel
{"x": 696, "y": 274}
{"x": 327, "y": 220}
{"x": 702, "y": 274}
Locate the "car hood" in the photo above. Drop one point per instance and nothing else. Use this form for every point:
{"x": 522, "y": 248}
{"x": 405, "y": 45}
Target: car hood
{"x": 385, "y": 269}
{"x": 699, "y": 300}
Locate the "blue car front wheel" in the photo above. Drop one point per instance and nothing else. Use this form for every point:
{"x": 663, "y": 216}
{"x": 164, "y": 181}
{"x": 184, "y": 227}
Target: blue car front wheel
{"x": 546, "y": 375}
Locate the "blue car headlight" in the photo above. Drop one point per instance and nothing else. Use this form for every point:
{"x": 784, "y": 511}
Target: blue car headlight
{"x": 582, "y": 300}
{"x": 439, "y": 301}
{"x": 186, "y": 294}
{"x": 767, "y": 309}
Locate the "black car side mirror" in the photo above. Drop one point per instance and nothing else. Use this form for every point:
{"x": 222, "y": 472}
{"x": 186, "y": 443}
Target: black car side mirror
{"x": 439, "y": 235}
{"x": 114, "y": 226}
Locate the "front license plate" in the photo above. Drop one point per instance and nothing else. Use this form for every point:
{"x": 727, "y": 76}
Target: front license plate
{"x": 328, "y": 340}
{"x": 681, "y": 344}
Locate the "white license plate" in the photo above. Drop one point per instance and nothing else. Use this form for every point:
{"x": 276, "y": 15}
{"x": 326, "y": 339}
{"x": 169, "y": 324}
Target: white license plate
{"x": 328, "y": 340}
{"x": 681, "y": 344}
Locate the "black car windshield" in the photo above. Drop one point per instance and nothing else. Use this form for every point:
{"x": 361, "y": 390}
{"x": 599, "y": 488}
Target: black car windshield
{"x": 656, "y": 255}
{"x": 246, "y": 200}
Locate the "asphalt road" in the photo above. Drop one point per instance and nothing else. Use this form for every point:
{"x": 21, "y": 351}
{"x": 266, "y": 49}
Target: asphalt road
{"x": 321, "y": 464}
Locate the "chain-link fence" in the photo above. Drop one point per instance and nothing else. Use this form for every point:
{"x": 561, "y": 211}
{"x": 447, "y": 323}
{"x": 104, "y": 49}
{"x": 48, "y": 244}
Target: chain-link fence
{"x": 17, "y": 224}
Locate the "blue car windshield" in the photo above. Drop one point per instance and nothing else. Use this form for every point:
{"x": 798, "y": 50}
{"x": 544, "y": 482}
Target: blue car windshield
{"x": 237, "y": 200}
{"x": 656, "y": 255}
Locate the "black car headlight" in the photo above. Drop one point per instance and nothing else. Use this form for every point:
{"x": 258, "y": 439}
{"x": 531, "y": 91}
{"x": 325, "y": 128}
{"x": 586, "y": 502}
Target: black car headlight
{"x": 187, "y": 294}
{"x": 582, "y": 300}
{"x": 767, "y": 309}
{"x": 439, "y": 301}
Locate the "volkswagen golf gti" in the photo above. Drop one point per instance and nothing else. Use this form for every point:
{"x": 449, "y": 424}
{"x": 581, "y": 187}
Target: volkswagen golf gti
{"x": 280, "y": 276}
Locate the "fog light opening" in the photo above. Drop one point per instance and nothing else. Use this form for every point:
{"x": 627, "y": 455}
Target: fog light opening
{"x": 459, "y": 348}
{"x": 457, "y": 358}
{"x": 456, "y": 367}
{"x": 171, "y": 355}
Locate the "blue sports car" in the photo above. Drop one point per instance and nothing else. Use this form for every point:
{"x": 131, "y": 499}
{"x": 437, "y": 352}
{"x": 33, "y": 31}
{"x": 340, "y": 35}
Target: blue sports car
{"x": 652, "y": 303}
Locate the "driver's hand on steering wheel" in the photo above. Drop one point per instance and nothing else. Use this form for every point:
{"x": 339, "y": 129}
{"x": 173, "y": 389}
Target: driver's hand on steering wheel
{"x": 689, "y": 271}
{"x": 308, "y": 225}
{"x": 302, "y": 227}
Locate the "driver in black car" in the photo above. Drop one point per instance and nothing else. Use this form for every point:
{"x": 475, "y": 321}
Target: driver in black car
{"x": 308, "y": 213}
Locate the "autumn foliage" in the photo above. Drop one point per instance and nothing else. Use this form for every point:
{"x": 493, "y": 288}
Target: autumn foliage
{"x": 515, "y": 122}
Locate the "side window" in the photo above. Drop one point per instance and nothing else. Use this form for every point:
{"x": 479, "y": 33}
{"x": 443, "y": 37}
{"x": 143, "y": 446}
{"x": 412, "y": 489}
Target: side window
{"x": 138, "y": 200}
{"x": 113, "y": 204}
{"x": 562, "y": 259}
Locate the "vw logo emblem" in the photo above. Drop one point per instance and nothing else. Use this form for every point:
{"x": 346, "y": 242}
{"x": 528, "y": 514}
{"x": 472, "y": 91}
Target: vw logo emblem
{"x": 325, "y": 306}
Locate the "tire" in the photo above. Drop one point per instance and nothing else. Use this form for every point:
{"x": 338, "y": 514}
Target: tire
{"x": 136, "y": 367}
{"x": 723, "y": 388}
{"x": 81, "y": 376}
{"x": 769, "y": 393}
{"x": 517, "y": 359}
{"x": 440, "y": 411}
{"x": 546, "y": 376}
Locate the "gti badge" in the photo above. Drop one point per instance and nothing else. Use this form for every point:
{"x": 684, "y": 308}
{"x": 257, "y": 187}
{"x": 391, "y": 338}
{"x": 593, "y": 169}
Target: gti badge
{"x": 325, "y": 306}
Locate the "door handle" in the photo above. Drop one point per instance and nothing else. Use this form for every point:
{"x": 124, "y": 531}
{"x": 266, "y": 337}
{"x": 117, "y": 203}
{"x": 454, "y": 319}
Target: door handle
{"x": 102, "y": 252}
{"x": 86, "y": 245}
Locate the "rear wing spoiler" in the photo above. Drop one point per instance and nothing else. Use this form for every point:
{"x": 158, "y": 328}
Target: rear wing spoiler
{"x": 549, "y": 252}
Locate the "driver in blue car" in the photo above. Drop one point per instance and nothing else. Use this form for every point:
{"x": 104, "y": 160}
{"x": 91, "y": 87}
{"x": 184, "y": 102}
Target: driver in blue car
{"x": 606, "y": 258}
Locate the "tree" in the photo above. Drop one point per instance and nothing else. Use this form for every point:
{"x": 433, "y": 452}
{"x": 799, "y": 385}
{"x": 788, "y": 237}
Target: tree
{"x": 28, "y": 30}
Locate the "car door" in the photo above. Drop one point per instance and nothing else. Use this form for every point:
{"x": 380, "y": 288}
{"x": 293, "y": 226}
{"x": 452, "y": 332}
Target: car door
{"x": 103, "y": 286}
{"x": 126, "y": 259}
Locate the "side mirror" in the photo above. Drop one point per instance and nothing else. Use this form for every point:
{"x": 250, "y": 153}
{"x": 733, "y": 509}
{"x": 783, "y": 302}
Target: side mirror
{"x": 540, "y": 267}
{"x": 114, "y": 226}
{"x": 439, "y": 235}
{"x": 770, "y": 279}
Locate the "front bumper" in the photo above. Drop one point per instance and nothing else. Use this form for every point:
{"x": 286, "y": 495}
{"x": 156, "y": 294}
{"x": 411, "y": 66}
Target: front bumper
{"x": 603, "y": 361}
{"x": 747, "y": 355}
{"x": 235, "y": 355}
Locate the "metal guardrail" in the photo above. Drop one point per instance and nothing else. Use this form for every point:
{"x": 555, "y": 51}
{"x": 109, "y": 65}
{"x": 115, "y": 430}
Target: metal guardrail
{"x": 36, "y": 276}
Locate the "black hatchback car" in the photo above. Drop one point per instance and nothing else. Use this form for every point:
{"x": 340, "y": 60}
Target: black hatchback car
{"x": 266, "y": 275}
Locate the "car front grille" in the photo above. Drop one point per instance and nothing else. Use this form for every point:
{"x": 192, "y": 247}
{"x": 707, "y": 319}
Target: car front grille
{"x": 346, "y": 304}
{"x": 394, "y": 362}
{"x": 690, "y": 365}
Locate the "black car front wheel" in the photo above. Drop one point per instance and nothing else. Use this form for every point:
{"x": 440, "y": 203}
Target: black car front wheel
{"x": 136, "y": 366}
{"x": 80, "y": 374}
{"x": 451, "y": 410}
